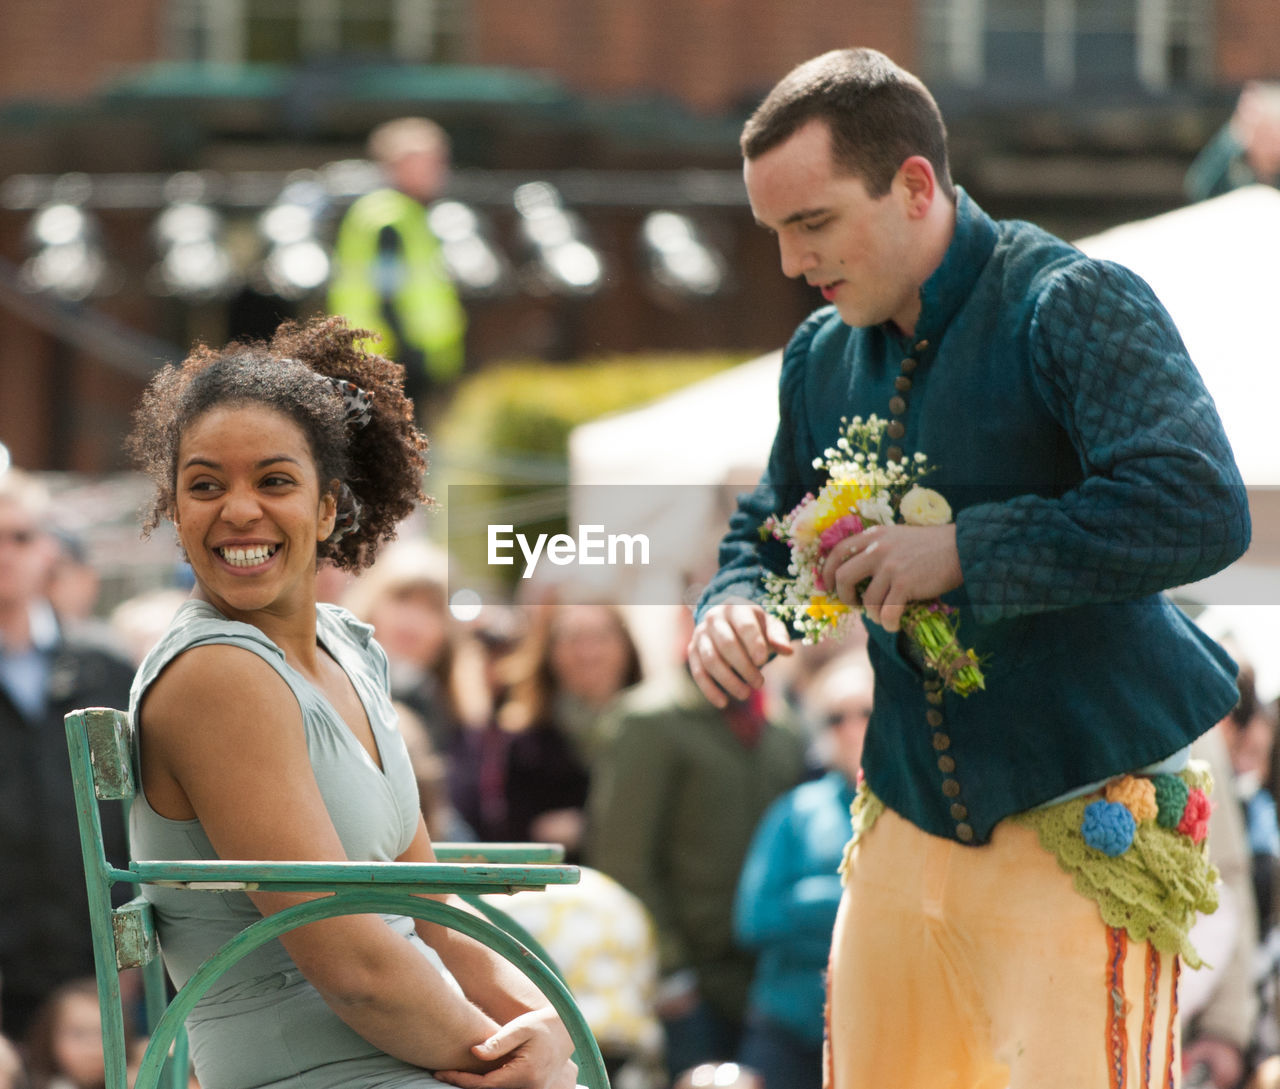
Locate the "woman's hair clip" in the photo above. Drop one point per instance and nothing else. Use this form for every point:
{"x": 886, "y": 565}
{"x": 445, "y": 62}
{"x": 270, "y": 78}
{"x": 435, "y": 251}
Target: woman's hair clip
{"x": 348, "y": 515}
{"x": 357, "y": 403}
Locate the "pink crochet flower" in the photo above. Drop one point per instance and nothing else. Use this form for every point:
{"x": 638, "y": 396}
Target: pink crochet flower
{"x": 1136, "y": 795}
{"x": 1195, "y": 818}
{"x": 838, "y": 530}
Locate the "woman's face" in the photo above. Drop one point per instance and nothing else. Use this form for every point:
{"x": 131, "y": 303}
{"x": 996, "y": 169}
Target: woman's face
{"x": 589, "y": 654}
{"x": 77, "y": 1041}
{"x": 411, "y": 624}
{"x": 249, "y": 510}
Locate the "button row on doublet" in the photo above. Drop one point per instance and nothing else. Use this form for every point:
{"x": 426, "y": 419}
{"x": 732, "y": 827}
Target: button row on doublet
{"x": 946, "y": 762}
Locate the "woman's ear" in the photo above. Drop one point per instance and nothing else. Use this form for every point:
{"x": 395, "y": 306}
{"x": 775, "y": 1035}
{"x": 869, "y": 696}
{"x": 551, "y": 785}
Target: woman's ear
{"x": 328, "y": 512}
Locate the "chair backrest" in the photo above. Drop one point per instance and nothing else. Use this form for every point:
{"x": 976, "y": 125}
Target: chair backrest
{"x": 100, "y": 745}
{"x": 101, "y": 748}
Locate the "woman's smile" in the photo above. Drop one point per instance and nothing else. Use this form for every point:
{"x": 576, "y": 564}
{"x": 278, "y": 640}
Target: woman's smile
{"x": 250, "y": 512}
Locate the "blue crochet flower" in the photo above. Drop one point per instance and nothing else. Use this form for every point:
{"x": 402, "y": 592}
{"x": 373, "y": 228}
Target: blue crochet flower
{"x": 1108, "y": 827}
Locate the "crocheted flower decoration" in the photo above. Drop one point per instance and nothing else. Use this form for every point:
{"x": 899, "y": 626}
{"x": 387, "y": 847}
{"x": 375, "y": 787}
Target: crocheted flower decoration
{"x": 1171, "y": 798}
{"x": 1138, "y": 796}
{"x": 1195, "y": 819}
{"x": 1108, "y": 827}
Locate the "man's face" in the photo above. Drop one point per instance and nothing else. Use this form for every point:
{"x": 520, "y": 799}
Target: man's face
{"x": 421, "y": 173}
{"x": 26, "y": 555}
{"x": 854, "y": 247}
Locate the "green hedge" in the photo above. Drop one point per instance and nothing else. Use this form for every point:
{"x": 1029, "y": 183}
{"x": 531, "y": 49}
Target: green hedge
{"x": 526, "y": 408}
{"x": 506, "y": 437}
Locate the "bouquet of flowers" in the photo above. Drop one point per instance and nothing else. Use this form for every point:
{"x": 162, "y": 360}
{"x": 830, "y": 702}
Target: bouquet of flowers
{"x": 863, "y": 490}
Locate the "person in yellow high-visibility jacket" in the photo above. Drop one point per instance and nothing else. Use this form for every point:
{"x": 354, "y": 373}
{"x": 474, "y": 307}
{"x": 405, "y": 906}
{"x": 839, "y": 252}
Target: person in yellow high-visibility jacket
{"x": 389, "y": 277}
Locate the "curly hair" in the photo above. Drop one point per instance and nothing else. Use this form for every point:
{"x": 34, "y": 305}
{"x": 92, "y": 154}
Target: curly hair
{"x": 382, "y": 463}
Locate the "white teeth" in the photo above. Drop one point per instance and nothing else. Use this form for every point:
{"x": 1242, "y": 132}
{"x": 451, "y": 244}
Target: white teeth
{"x": 246, "y": 557}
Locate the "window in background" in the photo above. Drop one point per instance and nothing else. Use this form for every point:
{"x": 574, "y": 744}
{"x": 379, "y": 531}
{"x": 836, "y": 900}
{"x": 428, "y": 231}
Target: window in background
{"x": 1021, "y": 45}
{"x": 294, "y": 31}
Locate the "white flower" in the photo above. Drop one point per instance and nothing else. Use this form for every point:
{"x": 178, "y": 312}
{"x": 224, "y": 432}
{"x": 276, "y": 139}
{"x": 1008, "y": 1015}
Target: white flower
{"x": 924, "y": 507}
{"x": 876, "y": 510}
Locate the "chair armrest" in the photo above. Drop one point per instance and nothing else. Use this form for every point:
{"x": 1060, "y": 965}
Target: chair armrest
{"x": 412, "y": 877}
{"x": 528, "y": 853}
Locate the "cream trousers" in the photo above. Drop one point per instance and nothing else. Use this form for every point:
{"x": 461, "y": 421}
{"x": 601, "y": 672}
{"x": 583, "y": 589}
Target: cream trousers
{"x": 958, "y": 967}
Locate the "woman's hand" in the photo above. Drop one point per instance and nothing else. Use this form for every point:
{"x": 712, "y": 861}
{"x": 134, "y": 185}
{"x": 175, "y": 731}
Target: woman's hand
{"x": 531, "y": 1052}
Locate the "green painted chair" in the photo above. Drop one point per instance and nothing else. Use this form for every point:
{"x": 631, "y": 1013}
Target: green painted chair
{"x": 100, "y": 744}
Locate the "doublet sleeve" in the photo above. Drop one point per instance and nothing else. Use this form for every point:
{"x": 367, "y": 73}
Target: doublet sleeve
{"x": 744, "y": 556}
{"x": 1161, "y": 502}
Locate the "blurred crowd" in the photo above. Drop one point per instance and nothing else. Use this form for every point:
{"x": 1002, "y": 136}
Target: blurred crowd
{"x": 710, "y": 840}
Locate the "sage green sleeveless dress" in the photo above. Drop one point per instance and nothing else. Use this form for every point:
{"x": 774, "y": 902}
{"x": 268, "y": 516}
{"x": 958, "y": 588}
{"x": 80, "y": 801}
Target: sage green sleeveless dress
{"x": 262, "y": 1024}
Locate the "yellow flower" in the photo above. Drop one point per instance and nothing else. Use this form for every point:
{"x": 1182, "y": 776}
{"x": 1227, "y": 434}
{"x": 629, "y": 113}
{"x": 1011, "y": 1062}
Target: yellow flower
{"x": 825, "y": 607}
{"x": 1136, "y": 794}
{"x": 924, "y": 507}
{"x": 835, "y": 500}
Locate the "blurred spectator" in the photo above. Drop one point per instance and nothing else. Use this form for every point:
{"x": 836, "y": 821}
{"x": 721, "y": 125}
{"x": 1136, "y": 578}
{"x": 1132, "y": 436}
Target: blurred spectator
{"x": 601, "y": 939}
{"x": 404, "y": 595}
{"x": 138, "y": 621}
{"x": 478, "y": 760}
{"x": 45, "y": 672}
{"x": 790, "y": 886}
{"x": 64, "y": 1043}
{"x": 1245, "y": 151}
{"x": 1249, "y": 733}
{"x": 674, "y": 801}
{"x": 561, "y": 678}
{"x": 12, "y": 1074}
{"x": 389, "y": 277}
{"x": 1219, "y": 1002}
{"x": 74, "y": 582}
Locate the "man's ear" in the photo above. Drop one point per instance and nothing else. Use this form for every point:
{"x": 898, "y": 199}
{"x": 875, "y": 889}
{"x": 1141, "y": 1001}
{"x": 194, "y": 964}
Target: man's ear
{"x": 918, "y": 185}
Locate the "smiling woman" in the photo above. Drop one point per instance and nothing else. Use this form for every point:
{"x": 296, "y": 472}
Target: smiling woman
{"x": 266, "y": 731}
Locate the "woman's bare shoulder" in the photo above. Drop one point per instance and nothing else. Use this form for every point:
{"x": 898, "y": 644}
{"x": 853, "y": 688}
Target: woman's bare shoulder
{"x": 215, "y": 685}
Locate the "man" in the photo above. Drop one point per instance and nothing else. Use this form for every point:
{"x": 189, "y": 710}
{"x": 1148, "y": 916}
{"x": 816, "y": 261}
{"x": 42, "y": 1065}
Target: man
{"x": 44, "y": 673}
{"x": 674, "y": 801}
{"x": 1088, "y": 471}
{"x": 1245, "y": 151}
{"x": 389, "y": 276}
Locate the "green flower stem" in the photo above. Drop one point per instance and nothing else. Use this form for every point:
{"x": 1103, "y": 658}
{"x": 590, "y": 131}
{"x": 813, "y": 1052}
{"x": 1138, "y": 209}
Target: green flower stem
{"x": 934, "y": 632}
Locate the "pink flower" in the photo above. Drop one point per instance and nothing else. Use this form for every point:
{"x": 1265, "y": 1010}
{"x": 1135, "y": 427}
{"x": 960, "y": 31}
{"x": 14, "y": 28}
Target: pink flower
{"x": 1195, "y": 818}
{"x": 839, "y": 530}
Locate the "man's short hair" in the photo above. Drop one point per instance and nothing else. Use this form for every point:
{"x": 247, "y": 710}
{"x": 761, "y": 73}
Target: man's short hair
{"x": 878, "y": 115}
{"x": 405, "y": 136}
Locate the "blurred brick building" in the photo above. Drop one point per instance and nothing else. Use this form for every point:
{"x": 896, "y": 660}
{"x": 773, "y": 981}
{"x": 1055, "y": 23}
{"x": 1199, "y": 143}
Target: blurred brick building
{"x": 1076, "y": 113}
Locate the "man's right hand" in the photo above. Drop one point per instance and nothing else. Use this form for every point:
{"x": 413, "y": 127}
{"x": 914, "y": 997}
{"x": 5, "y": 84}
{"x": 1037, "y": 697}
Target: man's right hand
{"x": 729, "y": 646}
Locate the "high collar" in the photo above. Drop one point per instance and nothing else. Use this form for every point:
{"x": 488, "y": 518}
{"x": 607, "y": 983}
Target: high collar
{"x": 950, "y": 284}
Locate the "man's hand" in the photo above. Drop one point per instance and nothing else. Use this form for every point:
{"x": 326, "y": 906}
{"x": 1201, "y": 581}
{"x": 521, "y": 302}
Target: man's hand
{"x": 904, "y": 564}
{"x": 730, "y": 645}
